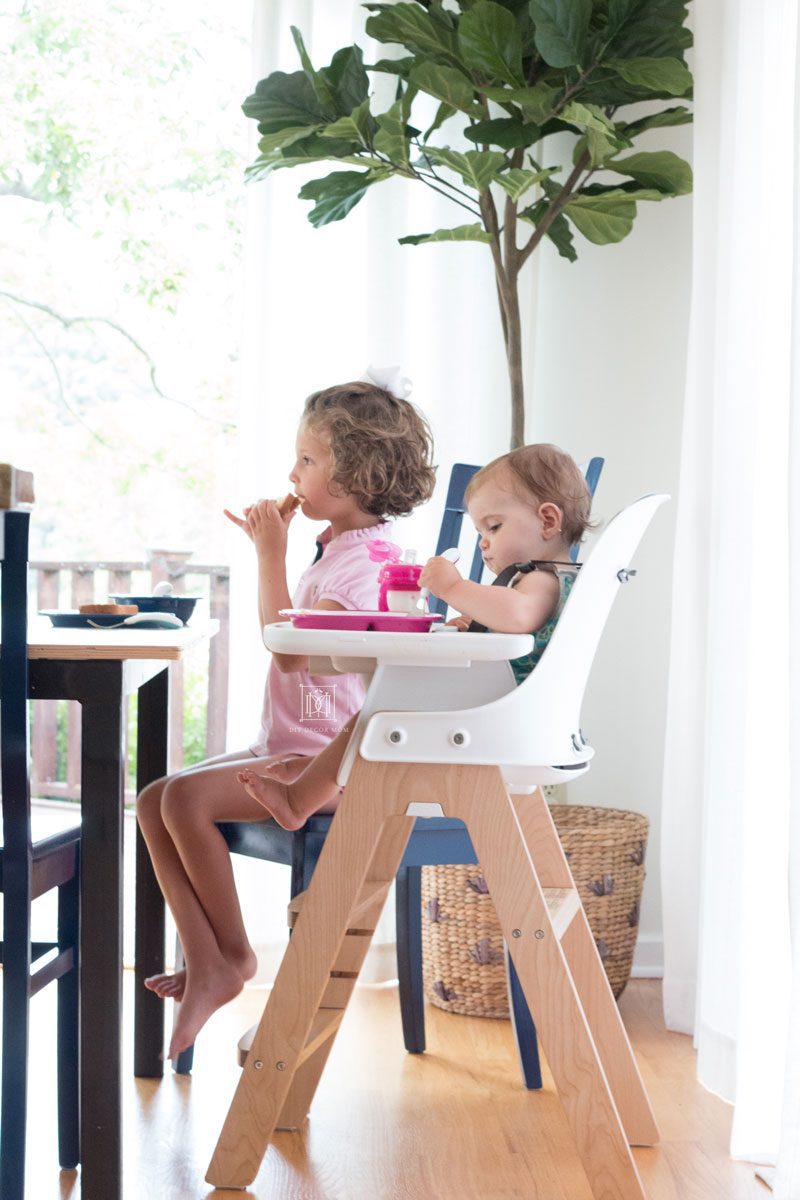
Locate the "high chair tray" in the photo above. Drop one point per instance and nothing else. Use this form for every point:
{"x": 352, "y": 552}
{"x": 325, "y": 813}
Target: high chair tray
{"x": 442, "y": 646}
{"x": 363, "y": 620}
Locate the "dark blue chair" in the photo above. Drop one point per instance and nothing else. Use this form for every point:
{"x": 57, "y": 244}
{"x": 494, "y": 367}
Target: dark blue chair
{"x": 28, "y": 869}
{"x": 435, "y": 841}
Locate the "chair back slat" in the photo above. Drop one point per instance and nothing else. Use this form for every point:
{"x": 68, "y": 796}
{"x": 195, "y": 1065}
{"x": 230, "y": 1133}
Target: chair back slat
{"x": 14, "y": 785}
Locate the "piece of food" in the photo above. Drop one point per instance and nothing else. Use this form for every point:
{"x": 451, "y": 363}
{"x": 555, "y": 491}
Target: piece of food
{"x": 117, "y": 610}
{"x": 288, "y": 504}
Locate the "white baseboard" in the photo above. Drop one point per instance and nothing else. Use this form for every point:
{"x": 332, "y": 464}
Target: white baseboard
{"x": 648, "y": 957}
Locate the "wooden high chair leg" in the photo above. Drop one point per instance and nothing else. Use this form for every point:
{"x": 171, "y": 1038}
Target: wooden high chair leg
{"x": 534, "y": 922}
{"x": 331, "y": 937}
{"x": 590, "y": 979}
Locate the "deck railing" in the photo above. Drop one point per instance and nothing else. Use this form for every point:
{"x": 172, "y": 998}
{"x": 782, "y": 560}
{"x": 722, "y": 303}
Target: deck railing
{"x": 55, "y": 735}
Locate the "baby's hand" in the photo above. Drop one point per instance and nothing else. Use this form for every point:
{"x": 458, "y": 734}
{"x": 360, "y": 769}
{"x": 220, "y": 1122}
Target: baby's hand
{"x": 439, "y": 576}
{"x": 461, "y": 622}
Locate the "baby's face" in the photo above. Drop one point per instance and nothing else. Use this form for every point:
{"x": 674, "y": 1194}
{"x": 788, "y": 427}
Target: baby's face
{"x": 510, "y": 529}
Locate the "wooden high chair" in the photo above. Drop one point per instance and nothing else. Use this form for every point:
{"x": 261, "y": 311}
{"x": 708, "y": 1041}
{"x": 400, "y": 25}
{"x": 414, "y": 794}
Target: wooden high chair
{"x": 481, "y": 762}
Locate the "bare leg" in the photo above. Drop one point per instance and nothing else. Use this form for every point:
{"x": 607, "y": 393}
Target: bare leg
{"x": 191, "y": 860}
{"x": 292, "y": 803}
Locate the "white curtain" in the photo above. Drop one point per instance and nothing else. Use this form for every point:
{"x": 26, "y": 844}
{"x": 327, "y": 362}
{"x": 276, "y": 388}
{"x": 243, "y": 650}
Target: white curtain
{"x": 731, "y": 803}
{"x": 320, "y": 306}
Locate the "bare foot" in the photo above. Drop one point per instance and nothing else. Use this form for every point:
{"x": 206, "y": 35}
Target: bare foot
{"x": 285, "y": 771}
{"x": 168, "y": 987}
{"x": 272, "y": 794}
{"x": 202, "y": 997}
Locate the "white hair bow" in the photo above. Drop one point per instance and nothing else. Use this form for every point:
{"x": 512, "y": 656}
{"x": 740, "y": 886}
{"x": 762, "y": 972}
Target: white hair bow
{"x": 390, "y": 378}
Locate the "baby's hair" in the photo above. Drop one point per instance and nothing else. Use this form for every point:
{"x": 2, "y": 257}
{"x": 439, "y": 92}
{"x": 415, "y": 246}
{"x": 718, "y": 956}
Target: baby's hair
{"x": 381, "y": 446}
{"x": 547, "y": 475}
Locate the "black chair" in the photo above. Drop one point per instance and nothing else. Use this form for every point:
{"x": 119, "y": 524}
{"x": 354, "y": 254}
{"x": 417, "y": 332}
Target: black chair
{"x": 28, "y": 869}
{"x": 435, "y": 841}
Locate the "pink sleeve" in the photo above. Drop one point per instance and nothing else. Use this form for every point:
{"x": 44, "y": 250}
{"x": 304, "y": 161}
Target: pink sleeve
{"x": 352, "y": 581}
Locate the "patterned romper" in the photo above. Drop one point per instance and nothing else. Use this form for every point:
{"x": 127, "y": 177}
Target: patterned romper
{"x": 566, "y": 573}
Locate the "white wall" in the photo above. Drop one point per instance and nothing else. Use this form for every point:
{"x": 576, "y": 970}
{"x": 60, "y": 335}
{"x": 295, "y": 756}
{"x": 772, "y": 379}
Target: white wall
{"x": 605, "y": 375}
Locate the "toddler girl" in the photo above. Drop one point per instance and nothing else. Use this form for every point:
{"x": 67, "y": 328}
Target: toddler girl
{"x": 363, "y": 455}
{"x": 528, "y": 507}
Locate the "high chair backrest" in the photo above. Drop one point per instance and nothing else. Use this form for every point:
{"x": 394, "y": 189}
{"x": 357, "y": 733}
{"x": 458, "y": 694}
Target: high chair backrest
{"x": 533, "y": 731}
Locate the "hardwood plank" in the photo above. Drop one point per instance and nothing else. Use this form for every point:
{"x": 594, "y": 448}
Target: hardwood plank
{"x": 453, "y": 1122}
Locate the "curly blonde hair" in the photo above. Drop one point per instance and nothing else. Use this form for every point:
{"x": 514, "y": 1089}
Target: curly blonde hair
{"x": 543, "y": 473}
{"x": 381, "y": 446}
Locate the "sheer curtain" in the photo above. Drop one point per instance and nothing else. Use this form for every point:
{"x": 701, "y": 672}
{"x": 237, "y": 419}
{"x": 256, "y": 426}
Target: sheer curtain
{"x": 731, "y": 798}
{"x": 320, "y": 306}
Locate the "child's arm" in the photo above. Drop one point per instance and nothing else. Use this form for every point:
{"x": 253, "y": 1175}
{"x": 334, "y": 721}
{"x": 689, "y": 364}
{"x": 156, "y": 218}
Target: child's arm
{"x": 520, "y": 609}
{"x": 267, "y": 529}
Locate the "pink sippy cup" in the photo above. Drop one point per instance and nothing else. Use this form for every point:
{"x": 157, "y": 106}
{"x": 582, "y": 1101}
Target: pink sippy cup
{"x": 398, "y": 582}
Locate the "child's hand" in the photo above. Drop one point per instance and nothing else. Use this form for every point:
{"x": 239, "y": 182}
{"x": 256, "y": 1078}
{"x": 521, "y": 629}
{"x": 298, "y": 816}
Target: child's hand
{"x": 267, "y": 527}
{"x": 240, "y": 521}
{"x": 440, "y": 576}
{"x": 461, "y": 622}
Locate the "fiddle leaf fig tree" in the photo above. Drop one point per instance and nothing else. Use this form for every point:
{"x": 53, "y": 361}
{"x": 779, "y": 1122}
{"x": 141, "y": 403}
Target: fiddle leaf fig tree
{"x": 495, "y": 79}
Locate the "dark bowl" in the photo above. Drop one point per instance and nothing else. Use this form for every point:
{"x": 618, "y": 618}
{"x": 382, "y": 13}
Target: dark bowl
{"x": 181, "y": 606}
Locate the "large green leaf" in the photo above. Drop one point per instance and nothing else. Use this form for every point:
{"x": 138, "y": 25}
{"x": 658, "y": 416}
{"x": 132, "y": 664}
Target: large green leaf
{"x": 659, "y": 169}
{"x": 558, "y": 231}
{"x": 443, "y": 113}
{"x": 285, "y": 135}
{"x": 562, "y": 27}
{"x": 478, "y": 168}
{"x": 445, "y": 83}
{"x": 489, "y": 42}
{"x": 412, "y": 27}
{"x": 392, "y": 137}
{"x": 589, "y": 116}
{"x": 536, "y": 102}
{"x": 518, "y": 180}
{"x": 508, "y": 132}
{"x": 348, "y": 78}
{"x": 602, "y": 219}
{"x": 668, "y": 116}
{"x": 337, "y": 194}
{"x": 354, "y": 127}
{"x": 462, "y": 233}
{"x": 560, "y": 234}
{"x": 285, "y": 99}
{"x": 600, "y": 145}
{"x": 322, "y": 88}
{"x": 395, "y": 66}
{"x": 648, "y": 28}
{"x": 656, "y": 74}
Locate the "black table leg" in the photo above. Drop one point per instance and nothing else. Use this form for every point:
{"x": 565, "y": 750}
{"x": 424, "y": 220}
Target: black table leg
{"x": 151, "y": 763}
{"x": 101, "y": 949}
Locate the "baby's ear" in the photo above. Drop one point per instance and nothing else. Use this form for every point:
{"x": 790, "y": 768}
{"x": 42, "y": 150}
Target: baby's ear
{"x": 551, "y": 517}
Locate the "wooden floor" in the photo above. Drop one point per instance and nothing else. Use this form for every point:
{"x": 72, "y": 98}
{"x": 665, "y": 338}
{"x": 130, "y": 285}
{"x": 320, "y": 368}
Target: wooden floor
{"x": 454, "y": 1124}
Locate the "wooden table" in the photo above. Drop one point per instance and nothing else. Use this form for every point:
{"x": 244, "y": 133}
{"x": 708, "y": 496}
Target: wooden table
{"x": 98, "y": 669}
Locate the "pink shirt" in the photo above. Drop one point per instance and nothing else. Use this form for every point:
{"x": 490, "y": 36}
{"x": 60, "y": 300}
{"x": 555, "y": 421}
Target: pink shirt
{"x": 302, "y": 713}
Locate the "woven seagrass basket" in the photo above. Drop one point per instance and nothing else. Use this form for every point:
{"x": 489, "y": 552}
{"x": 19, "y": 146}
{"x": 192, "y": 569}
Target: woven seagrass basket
{"x": 462, "y": 946}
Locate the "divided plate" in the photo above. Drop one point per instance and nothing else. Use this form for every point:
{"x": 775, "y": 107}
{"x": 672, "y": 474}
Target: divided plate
{"x": 381, "y": 622}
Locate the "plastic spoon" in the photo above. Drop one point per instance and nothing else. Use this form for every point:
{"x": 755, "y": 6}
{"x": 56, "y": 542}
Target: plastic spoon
{"x": 164, "y": 588}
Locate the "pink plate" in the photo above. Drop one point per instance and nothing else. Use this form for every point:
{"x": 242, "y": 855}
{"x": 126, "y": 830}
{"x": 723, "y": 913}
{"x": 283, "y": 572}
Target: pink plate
{"x": 381, "y": 622}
